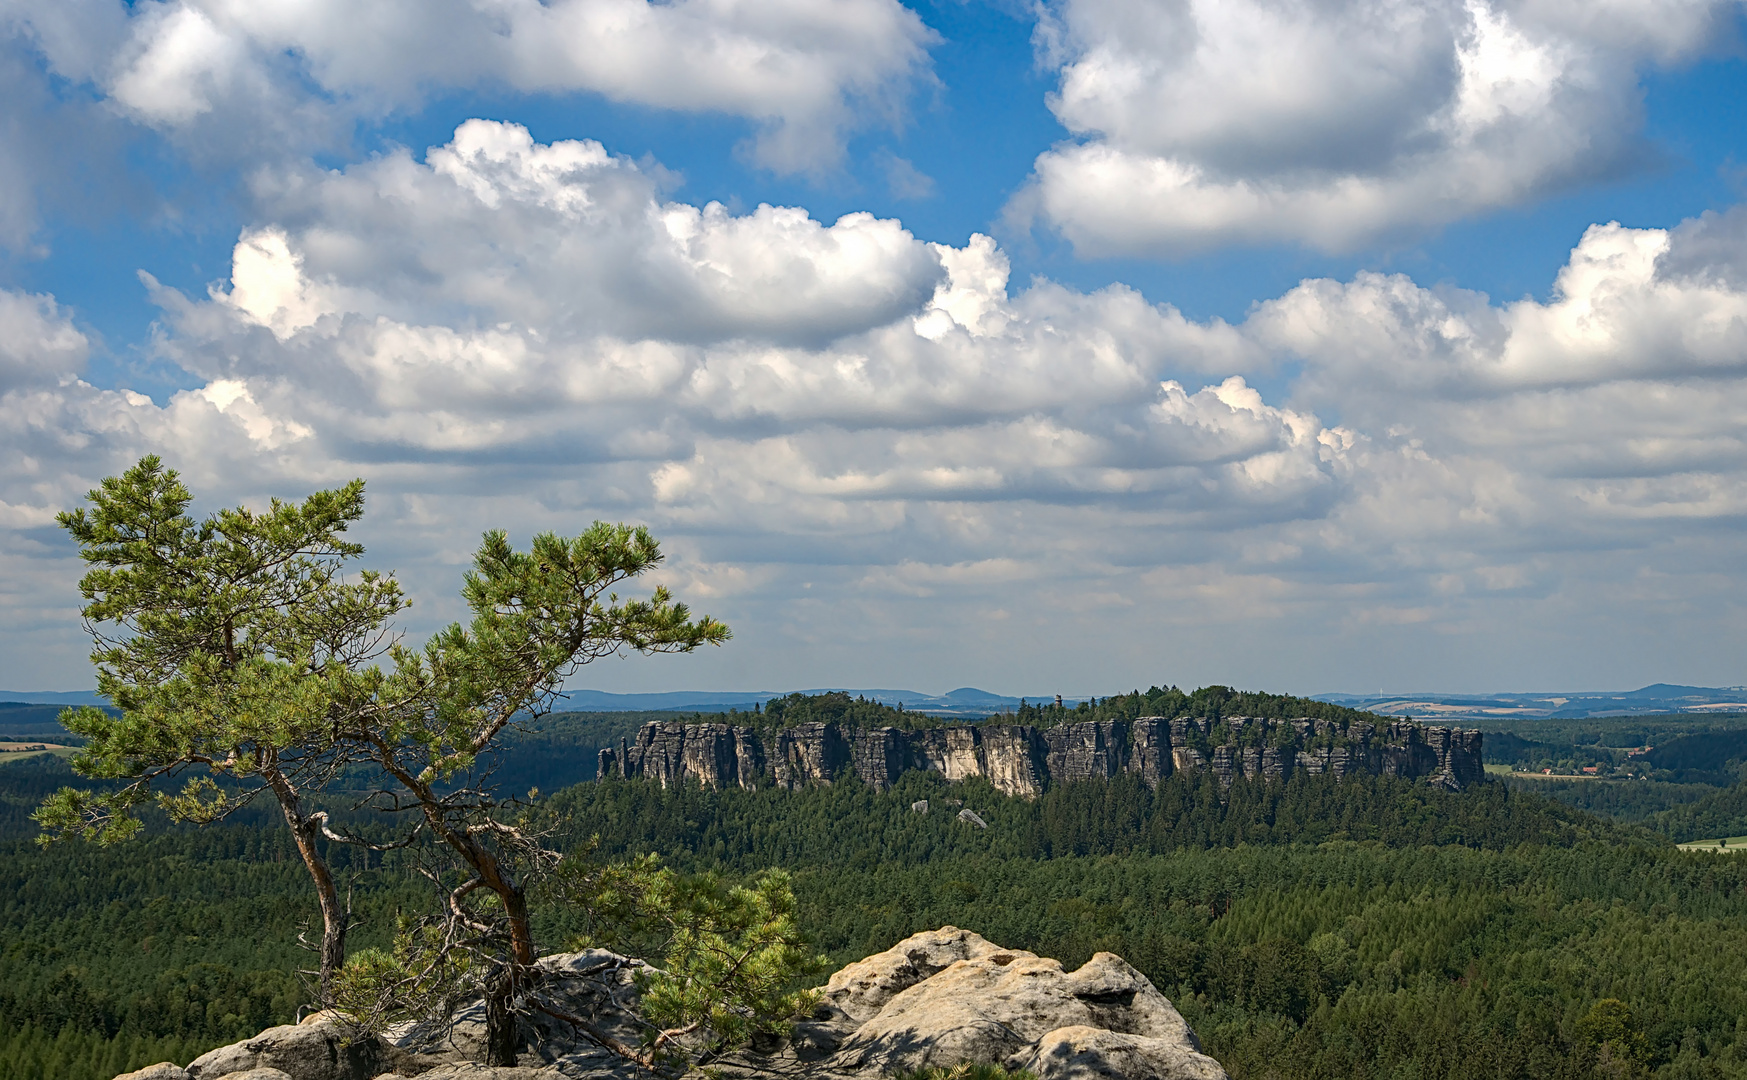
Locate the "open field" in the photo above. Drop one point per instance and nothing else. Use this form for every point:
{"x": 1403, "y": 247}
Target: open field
{"x": 18, "y": 751}
{"x": 1505, "y": 770}
{"x": 1730, "y": 844}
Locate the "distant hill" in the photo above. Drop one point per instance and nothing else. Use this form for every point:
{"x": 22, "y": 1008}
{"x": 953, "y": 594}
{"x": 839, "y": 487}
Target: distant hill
{"x": 51, "y": 697}
{"x": 965, "y": 701}
{"x": 1655, "y": 699}
{"x": 21, "y": 720}
{"x": 1658, "y": 698}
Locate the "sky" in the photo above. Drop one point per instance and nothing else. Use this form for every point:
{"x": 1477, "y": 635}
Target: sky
{"x": 1073, "y": 346}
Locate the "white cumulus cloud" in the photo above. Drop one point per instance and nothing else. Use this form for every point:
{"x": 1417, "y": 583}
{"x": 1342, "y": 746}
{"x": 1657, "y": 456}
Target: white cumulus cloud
{"x": 1337, "y": 123}
{"x": 853, "y": 439}
{"x": 271, "y": 74}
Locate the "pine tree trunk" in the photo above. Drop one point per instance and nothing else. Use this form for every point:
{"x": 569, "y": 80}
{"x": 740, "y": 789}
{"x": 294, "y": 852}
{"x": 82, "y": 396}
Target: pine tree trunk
{"x": 500, "y": 1020}
{"x": 500, "y": 1017}
{"x": 333, "y": 937}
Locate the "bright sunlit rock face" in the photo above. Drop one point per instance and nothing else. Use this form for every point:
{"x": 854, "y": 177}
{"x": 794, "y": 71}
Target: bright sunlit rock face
{"x": 886, "y": 453}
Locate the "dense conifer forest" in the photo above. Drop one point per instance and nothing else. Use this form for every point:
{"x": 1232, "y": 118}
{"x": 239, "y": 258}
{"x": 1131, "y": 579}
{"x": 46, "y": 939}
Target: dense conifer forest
{"x": 1371, "y": 928}
{"x": 1212, "y": 702}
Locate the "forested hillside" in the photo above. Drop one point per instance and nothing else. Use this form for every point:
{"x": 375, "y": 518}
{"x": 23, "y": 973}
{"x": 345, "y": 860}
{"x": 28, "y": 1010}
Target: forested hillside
{"x": 848, "y": 824}
{"x": 1637, "y": 801}
{"x": 1372, "y": 928}
{"x": 22, "y": 721}
{"x": 1680, "y": 748}
{"x": 1369, "y": 928}
{"x": 1211, "y": 702}
{"x": 1679, "y": 775}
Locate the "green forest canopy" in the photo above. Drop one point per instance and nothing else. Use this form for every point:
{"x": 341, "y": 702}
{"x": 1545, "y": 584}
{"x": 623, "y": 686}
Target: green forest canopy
{"x": 1371, "y": 928}
{"x": 1211, "y": 702}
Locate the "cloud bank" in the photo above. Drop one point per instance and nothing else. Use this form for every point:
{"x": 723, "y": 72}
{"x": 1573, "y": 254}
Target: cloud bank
{"x": 1338, "y": 124}
{"x": 848, "y": 435}
{"x": 237, "y": 82}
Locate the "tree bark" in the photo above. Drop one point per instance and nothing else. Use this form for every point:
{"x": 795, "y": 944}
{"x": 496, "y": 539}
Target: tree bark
{"x": 500, "y": 1020}
{"x": 501, "y": 1033}
{"x": 305, "y": 829}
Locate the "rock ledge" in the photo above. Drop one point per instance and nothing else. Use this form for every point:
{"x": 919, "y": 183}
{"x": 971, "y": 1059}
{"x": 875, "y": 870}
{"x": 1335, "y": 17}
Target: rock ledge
{"x": 936, "y": 998}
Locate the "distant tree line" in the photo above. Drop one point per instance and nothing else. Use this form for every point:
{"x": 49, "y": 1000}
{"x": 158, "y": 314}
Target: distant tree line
{"x": 1209, "y": 702}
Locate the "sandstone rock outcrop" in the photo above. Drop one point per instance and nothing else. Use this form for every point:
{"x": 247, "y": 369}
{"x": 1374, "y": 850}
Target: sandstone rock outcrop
{"x": 163, "y": 1070}
{"x": 597, "y": 985}
{"x": 948, "y": 996}
{"x": 320, "y": 1051}
{"x": 937, "y": 998}
{"x": 1022, "y": 760}
{"x": 1089, "y": 1053}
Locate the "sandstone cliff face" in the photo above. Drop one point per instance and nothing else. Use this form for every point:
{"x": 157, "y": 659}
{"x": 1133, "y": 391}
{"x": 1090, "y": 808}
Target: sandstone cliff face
{"x": 1022, "y": 760}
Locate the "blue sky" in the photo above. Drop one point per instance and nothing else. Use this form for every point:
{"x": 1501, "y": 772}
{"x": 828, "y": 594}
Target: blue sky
{"x": 1074, "y": 346}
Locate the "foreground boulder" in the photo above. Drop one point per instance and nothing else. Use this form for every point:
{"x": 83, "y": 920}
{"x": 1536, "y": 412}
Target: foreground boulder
{"x": 324, "y": 1050}
{"x": 318, "y": 1051}
{"x": 948, "y": 996}
{"x": 1089, "y": 1053}
{"x": 937, "y": 998}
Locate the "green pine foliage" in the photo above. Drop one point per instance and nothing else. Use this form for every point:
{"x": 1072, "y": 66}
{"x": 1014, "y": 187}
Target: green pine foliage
{"x": 1721, "y": 812}
{"x": 163, "y": 948}
{"x": 1637, "y": 801}
{"x": 1209, "y": 702}
{"x": 728, "y": 966}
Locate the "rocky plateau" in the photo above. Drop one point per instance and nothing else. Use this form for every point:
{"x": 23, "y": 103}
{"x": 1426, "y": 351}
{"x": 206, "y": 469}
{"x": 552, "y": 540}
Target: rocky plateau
{"x": 1024, "y": 760}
